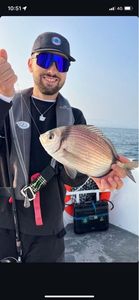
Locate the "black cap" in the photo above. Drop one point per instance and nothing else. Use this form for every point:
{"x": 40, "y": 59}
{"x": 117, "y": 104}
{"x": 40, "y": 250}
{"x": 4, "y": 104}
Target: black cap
{"x": 52, "y": 41}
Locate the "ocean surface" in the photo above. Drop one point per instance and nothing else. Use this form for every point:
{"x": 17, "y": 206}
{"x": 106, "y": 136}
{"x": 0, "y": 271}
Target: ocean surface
{"x": 125, "y": 140}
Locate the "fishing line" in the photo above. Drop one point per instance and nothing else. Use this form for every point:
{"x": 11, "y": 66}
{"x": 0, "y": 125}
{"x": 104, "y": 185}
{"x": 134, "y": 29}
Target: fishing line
{"x": 78, "y": 189}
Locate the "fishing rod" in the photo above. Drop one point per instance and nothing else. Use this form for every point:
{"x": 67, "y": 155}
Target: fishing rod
{"x": 14, "y": 210}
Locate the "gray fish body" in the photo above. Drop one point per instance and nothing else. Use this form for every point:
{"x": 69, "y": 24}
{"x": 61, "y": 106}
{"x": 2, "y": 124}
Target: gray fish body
{"x": 84, "y": 149}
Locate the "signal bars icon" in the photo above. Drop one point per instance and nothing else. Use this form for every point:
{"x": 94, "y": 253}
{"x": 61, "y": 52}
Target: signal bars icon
{"x": 112, "y": 8}
{"x": 121, "y": 8}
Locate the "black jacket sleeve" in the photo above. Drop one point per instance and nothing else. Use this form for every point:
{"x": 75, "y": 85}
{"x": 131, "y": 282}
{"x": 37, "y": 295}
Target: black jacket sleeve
{"x": 78, "y": 115}
{"x": 4, "y": 109}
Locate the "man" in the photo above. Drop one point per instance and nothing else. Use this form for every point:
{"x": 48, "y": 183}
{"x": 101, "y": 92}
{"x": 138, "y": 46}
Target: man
{"x": 33, "y": 112}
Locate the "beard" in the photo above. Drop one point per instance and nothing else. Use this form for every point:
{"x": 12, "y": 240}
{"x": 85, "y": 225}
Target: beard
{"x": 47, "y": 89}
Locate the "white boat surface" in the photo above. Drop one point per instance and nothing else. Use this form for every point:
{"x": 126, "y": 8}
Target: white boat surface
{"x": 117, "y": 244}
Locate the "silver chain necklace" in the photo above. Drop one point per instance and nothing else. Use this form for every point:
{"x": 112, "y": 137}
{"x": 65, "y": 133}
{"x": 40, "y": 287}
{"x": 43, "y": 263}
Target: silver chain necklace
{"x": 41, "y": 117}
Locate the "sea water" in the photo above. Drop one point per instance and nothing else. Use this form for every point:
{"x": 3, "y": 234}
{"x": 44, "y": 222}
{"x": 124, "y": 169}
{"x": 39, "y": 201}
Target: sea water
{"x": 125, "y": 140}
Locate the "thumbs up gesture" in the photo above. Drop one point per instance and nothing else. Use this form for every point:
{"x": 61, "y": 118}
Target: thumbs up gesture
{"x": 7, "y": 76}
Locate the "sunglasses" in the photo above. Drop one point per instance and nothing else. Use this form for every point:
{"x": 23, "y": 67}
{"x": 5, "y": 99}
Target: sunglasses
{"x": 46, "y": 59}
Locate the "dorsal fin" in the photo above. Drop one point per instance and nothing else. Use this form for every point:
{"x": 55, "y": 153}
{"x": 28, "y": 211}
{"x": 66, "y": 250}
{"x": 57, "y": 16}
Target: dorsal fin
{"x": 95, "y": 130}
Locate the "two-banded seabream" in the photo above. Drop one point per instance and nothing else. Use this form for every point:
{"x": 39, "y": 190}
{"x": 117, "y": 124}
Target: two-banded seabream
{"x": 84, "y": 149}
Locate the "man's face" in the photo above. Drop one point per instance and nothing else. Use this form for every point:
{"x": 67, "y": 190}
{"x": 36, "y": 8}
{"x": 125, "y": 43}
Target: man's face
{"x": 48, "y": 81}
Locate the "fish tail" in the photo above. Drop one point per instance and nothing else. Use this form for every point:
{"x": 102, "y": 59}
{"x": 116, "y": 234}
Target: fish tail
{"x": 131, "y": 165}
{"x": 130, "y": 175}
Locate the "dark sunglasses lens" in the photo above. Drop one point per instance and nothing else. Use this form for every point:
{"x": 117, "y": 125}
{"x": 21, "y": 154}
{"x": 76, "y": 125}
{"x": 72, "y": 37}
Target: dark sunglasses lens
{"x": 45, "y": 60}
{"x": 62, "y": 63}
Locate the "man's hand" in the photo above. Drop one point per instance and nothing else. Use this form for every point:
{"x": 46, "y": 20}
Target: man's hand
{"x": 7, "y": 76}
{"x": 113, "y": 180}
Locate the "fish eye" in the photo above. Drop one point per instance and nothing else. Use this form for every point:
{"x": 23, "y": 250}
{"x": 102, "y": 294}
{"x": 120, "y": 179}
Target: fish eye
{"x": 51, "y": 135}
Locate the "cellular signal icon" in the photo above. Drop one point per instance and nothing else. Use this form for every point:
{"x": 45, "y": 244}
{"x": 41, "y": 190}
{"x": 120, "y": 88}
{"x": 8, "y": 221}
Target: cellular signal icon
{"x": 112, "y": 8}
{"x": 24, "y": 8}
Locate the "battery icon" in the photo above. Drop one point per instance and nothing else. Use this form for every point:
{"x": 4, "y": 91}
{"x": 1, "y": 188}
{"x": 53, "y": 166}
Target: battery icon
{"x": 127, "y": 8}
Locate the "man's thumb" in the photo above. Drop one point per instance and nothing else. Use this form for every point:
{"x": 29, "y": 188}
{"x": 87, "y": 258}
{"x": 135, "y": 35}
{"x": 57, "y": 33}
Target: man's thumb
{"x": 3, "y": 54}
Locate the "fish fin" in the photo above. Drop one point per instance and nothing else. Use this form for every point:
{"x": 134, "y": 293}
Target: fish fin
{"x": 91, "y": 128}
{"x": 131, "y": 165}
{"x": 94, "y": 130}
{"x": 70, "y": 172}
{"x": 130, "y": 175}
{"x": 70, "y": 160}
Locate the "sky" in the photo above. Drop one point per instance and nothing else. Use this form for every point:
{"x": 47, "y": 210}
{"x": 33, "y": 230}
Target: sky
{"x": 103, "y": 82}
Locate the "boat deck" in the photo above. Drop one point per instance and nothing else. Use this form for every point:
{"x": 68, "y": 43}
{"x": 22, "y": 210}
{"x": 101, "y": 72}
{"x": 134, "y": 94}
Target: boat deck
{"x": 112, "y": 245}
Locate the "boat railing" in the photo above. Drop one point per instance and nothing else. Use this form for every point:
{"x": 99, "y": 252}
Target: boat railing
{"x": 78, "y": 193}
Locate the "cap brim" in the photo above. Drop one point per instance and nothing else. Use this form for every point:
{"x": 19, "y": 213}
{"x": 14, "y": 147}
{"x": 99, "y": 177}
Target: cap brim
{"x": 56, "y": 50}
{"x": 71, "y": 58}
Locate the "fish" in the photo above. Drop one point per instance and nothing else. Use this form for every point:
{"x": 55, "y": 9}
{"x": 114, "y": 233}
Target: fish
{"x": 84, "y": 149}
